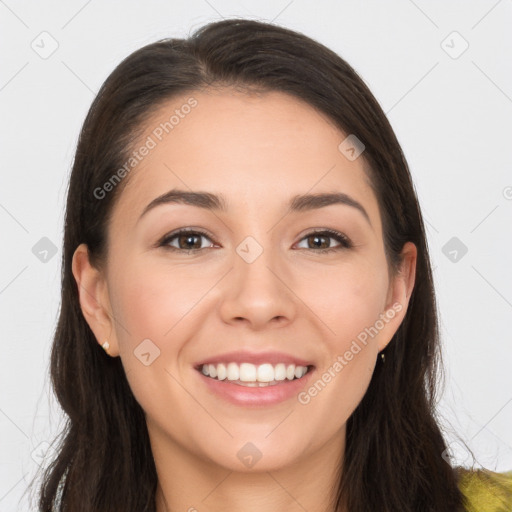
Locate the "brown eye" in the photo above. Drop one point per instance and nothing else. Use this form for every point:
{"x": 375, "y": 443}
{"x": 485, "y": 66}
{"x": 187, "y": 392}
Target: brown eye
{"x": 319, "y": 241}
{"x": 187, "y": 240}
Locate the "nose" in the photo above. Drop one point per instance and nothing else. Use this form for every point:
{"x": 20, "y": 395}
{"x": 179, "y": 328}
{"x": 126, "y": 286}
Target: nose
{"x": 259, "y": 293}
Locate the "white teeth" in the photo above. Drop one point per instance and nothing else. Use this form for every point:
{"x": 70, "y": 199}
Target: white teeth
{"x": 247, "y": 372}
{"x": 221, "y": 372}
{"x": 265, "y": 373}
{"x": 233, "y": 372}
{"x": 280, "y": 371}
{"x": 253, "y": 375}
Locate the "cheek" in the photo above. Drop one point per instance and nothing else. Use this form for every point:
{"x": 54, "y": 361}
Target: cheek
{"x": 351, "y": 311}
{"x": 159, "y": 308}
{"x": 347, "y": 298}
{"x": 153, "y": 301}
{"x": 352, "y": 304}
{"x": 349, "y": 301}
{"x": 155, "y": 307}
{"x": 340, "y": 384}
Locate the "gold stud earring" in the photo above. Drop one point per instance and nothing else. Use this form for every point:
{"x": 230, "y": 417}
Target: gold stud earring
{"x": 383, "y": 357}
{"x": 106, "y": 346}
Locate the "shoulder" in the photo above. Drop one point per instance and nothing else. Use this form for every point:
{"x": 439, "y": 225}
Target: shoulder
{"x": 485, "y": 490}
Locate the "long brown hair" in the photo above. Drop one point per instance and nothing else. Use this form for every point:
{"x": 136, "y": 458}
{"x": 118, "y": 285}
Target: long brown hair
{"x": 394, "y": 446}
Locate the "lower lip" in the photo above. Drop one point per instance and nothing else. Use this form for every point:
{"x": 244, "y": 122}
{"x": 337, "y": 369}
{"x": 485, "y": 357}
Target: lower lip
{"x": 256, "y": 396}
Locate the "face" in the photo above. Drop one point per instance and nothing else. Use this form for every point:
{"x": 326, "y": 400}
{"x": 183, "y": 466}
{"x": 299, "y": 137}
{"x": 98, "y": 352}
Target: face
{"x": 263, "y": 277}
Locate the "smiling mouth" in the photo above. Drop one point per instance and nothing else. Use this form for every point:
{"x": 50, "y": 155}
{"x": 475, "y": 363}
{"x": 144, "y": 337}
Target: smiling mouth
{"x": 250, "y": 375}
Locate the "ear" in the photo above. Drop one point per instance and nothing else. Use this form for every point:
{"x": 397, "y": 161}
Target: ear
{"x": 94, "y": 299}
{"x": 399, "y": 294}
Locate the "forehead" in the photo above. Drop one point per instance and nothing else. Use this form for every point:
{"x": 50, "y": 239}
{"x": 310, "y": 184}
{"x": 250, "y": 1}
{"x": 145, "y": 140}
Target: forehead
{"x": 247, "y": 147}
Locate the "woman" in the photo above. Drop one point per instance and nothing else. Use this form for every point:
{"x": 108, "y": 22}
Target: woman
{"x": 248, "y": 316}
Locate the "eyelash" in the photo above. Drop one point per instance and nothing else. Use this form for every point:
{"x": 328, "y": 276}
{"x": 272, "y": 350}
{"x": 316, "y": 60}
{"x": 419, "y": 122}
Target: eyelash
{"x": 345, "y": 242}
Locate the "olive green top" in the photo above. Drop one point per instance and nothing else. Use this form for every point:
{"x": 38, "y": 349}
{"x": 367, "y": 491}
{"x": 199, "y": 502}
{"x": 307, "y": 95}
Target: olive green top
{"x": 486, "y": 491}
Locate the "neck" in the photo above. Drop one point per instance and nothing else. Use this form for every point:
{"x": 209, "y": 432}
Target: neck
{"x": 189, "y": 483}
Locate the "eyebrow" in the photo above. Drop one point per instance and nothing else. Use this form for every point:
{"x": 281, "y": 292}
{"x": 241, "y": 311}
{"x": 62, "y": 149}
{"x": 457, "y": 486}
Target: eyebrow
{"x": 214, "y": 202}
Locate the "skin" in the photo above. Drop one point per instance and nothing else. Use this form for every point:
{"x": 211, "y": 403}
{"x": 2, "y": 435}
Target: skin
{"x": 258, "y": 151}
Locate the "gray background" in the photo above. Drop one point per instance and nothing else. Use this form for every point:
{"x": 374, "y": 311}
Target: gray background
{"x": 451, "y": 109}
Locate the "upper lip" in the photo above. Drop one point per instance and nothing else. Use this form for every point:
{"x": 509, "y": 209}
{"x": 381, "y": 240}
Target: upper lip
{"x": 255, "y": 358}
